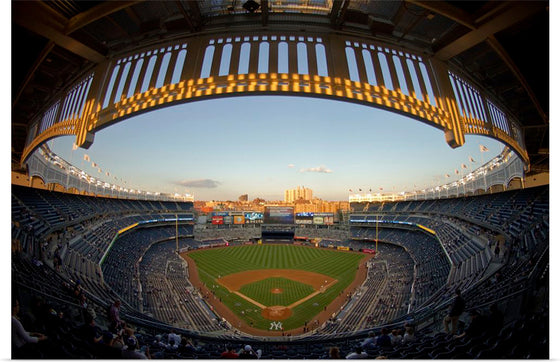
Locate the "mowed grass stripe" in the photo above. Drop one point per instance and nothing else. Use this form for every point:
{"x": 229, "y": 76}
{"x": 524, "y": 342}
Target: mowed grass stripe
{"x": 262, "y": 291}
{"x": 252, "y": 256}
{"x": 225, "y": 261}
{"x": 225, "y": 264}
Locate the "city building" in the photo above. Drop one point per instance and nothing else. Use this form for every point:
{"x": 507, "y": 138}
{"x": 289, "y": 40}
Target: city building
{"x": 299, "y": 193}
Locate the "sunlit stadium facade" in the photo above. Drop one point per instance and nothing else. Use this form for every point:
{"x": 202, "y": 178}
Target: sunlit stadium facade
{"x": 451, "y": 65}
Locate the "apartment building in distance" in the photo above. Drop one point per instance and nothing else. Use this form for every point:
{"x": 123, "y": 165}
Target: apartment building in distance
{"x": 298, "y": 193}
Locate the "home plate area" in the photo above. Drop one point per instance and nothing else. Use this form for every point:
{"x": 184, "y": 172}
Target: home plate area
{"x": 276, "y": 313}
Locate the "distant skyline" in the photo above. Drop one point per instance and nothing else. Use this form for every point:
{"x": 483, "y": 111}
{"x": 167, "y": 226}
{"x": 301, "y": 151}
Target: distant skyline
{"x": 263, "y": 145}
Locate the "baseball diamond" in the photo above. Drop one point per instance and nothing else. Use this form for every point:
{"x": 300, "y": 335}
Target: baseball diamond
{"x": 260, "y": 284}
{"x": 273, "y": 179}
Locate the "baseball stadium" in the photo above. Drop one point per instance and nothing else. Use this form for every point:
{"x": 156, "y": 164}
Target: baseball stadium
{"x": 455, "y": 267}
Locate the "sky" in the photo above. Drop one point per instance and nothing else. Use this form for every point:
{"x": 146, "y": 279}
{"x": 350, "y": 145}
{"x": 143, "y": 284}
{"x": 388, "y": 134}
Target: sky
{"x": 262, "y": 145}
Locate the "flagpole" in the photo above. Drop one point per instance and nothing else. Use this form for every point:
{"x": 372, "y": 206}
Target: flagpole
{"x": 482, "y": 149}
{"x": 68, "y": 171}
{"x": 176, "y": 233}
{"x": 457, "y": 182}
{"x": 376, "y": 230}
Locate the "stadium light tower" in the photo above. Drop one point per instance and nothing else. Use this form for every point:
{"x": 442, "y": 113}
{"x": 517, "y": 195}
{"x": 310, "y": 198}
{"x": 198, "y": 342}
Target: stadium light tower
{"x": 377, "y": 229}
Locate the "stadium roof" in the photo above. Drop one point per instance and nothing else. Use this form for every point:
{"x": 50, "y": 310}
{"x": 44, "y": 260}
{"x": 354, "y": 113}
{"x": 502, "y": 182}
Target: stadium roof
{"x": 502, "y": 45}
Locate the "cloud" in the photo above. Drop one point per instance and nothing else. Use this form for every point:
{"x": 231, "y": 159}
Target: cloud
{"x": 321, "y": 169}
{"x": 291, "y": 165}
{"x": 198, "y": 183}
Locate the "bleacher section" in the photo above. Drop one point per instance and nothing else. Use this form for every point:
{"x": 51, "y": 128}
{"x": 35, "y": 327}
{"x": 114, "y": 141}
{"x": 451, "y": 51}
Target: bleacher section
{"x": 412, "y": 278}
{"x": 432, "y": 265}
{"x": 121, "y": 266}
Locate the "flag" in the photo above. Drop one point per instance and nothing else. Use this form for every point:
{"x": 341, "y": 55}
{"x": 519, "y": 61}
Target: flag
{"x": 350, "y": 190}
{"x": 107, "y": 173}
{"x": 464, "y": 166}
{"x": 360, "y": 189}
{"x": 456, "y": 171}
{"x": 380, "y": 188}
{"x": 483, "y": 148}
{"x": 86, "y": 158}
{"x": 370, "y": 190}
{"x": 472, "y": 159}
{"x": 99, "y": 170}
{"x": 74, "y": 146}
{"x": 93, "y": 164}
{"x": 447, "y": 176}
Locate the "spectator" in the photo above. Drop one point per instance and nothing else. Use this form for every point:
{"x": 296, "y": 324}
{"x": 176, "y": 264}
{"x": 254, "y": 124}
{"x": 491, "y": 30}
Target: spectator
{"x": 383, "y": 340}
{"x": 357, "y": 354}
{"x": 455, "y": 310}
{"x": 229, "y": 353}
{"x": 23, "y": 341}
{"x": 115, "y": 322}
{"x": 158, "y": 343}
{"x": 395, "y": 336}
{"x": 408, "y": 334}
{"x": 90, "y": 331}
{"x": 35, "y": 317}
{"x": 107, "y": 348}
{"x": 249, "y": 353}
{"x": 131, "y": 350}
{"x": 127, "y": 332}
{"x": 334, "y": 353}
{"x": 495, "y": 320}
{"x": 369, "y": 342}
{"x": 186, "y": 347}
{"x": 172, "y": 346}
{"x": 173, "y": 336}
{"x": 477, "y": 326}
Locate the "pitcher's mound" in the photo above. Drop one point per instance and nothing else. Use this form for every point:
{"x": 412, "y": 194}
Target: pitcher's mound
{"x": 276, "y": 313}
{"x": 277, "y": 290}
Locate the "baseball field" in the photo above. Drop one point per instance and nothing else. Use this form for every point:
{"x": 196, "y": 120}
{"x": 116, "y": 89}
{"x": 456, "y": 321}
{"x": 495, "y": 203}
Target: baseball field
{"x": 275, "y": 287}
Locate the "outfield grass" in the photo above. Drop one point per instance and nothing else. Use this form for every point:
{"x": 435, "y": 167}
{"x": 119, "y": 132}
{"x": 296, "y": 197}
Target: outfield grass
{"x": 213, "y": 263}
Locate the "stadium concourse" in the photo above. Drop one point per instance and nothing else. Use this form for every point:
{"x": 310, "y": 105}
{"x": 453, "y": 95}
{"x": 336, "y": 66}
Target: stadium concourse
{"x": 70, "y": 263}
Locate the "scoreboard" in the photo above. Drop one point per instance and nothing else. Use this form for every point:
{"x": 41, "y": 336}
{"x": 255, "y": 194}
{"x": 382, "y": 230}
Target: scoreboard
{"x": 315, "y": 218}
{"x": 278, "y": 215}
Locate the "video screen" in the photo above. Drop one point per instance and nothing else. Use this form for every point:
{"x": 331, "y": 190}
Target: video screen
{"x": 253, "y": 217}
{"x": 278, "y": 215}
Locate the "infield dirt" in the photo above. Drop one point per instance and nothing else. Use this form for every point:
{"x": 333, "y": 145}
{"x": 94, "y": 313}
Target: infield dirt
{"x": 276, "y": 312}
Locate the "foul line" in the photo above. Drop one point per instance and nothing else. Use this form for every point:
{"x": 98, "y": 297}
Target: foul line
{"x": 312, "y": 295}
{"x": 297, "y": 303}
{"x": 250, "y": 300}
